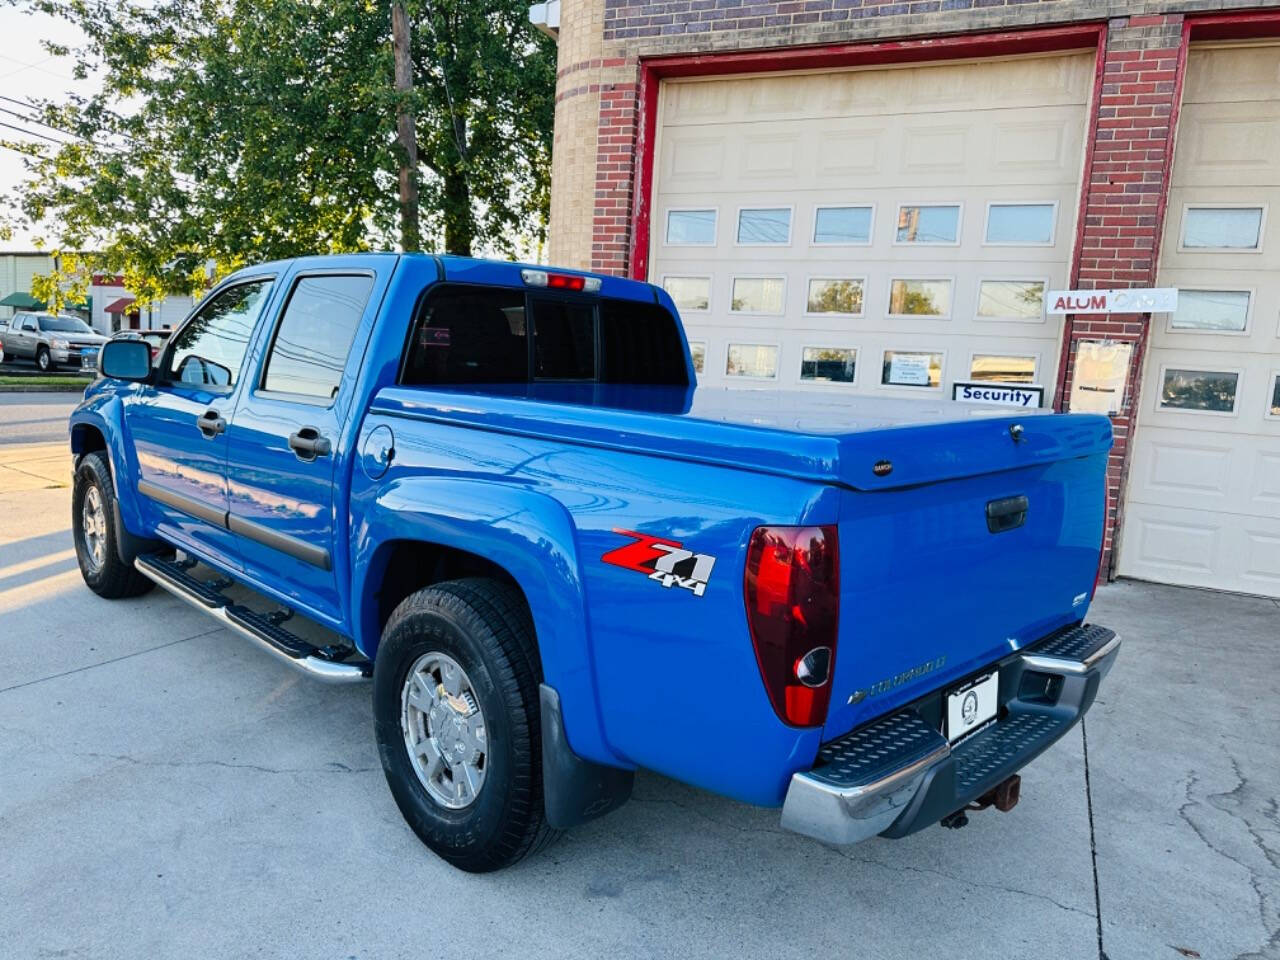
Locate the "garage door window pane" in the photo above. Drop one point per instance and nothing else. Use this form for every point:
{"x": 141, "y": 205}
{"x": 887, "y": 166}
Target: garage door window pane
{"x": 1199, "y": 390}
{"x": 938, "y": 224}
{"x": 1011, "y": 300}
{"x": 757, "y": 295}
{"x": 1211, "y": 310}
{"x": 829, "y": 364}
{"x": 1275, "y": 397}
{"x": 696, "y": 227}
{"x": 699, "y": 350}
{"x": 835, "y": 296}
{"x": 994, "y": 368}
{"x": 689, "y": 293}
{"x": 920, "y": 298}
{"x": 1029, "y": 224}
{"x": 842, "y": 225}
{"x": 764, "y": 226}
{"x": 910, "y": 369}
{"x": 752, "y": 360}
{"x": 1222, "y": 228}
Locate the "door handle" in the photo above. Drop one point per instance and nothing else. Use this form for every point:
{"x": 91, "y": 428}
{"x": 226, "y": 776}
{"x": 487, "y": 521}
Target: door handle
{"x": 1007, "y": 514}
{"x": 308, "y": 444}
{"x": 211, "y": 424}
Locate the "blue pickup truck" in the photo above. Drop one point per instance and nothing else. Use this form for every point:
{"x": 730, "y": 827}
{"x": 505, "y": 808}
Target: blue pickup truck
{"x": 496, "y": 492}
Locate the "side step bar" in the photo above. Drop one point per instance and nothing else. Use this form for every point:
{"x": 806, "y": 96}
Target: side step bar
{"x": 262, "y": 629}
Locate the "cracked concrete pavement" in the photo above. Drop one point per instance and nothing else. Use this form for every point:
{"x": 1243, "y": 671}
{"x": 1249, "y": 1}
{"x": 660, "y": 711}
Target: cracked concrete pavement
{"x": 168, "y": 791}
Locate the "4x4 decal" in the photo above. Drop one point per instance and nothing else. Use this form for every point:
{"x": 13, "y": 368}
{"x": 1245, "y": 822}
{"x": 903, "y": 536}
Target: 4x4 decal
{"x": 666, "y": 562}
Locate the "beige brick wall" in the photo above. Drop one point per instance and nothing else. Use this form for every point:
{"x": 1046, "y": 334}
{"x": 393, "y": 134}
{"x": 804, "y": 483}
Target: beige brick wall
{"x": 573, "y": 157}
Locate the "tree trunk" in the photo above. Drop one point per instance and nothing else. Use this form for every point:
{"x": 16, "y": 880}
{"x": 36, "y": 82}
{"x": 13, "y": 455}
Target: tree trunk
{"x": 406, "y": 136}
{"x": 459, "y": 221}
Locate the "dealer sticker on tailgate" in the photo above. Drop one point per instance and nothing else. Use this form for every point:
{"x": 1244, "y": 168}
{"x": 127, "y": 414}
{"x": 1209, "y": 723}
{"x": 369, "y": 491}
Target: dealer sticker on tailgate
{"x": 972, "y": 706}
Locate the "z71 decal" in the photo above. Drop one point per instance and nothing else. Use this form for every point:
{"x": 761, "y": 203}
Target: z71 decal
{"x": 666, "y": 562}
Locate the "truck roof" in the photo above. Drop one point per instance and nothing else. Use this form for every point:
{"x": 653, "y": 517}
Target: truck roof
{"x": 804, "y": 434}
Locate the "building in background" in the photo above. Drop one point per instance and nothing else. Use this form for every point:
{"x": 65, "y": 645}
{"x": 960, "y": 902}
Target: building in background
{"x": 874, "y": 198}
{"x": 115, "y": 309}
{"x": 17, "y": 270}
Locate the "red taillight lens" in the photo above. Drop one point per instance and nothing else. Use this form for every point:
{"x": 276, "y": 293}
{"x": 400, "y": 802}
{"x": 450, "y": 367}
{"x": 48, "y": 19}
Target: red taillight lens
{"x": 564, "y": 281}
{"x": 793, "y": 601}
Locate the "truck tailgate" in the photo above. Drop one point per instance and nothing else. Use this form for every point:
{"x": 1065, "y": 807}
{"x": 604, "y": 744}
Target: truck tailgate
{"x": 932, "y": 589}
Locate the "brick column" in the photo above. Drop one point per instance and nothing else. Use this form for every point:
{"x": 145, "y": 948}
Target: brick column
{"x": 1127, "y": 186}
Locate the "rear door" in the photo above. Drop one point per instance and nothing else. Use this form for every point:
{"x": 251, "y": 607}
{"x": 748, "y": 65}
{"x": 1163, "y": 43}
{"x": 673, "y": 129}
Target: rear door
{"x": 178, "y": 424}
{"x": 285, "y": 438}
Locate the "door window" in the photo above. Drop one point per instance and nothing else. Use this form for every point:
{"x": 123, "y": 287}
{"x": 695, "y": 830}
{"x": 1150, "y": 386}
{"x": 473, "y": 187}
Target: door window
{"x": 314, "y": 335}
{"x": 209, "y": 350}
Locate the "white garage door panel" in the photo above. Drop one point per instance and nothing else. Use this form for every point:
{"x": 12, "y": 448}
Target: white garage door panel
{"x": 1204, "y": 487}
{"x": 967, "y": 134}
{"x": 1189, "y": 547}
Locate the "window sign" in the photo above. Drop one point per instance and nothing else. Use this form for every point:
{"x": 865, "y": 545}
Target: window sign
{"x": 907, "y": 369}
{"x": 1101, "y": 372}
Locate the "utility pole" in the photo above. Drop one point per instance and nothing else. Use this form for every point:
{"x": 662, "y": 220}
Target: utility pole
{"x": 410, "y": 233}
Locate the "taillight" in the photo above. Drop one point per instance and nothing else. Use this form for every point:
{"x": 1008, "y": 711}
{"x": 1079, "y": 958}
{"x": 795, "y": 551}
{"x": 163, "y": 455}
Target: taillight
{"x": 793, "y": 600}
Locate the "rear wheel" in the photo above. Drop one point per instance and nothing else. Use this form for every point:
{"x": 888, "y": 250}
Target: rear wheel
{"x": 458, "y": 725}
{"x": 93, "y": 527}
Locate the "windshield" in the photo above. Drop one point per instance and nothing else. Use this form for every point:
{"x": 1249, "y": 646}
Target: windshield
{"x": 64, "y": 325}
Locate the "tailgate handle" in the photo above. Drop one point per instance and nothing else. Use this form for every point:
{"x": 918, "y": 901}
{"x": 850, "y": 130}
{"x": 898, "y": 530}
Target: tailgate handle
{"x": 1007, "y": 514}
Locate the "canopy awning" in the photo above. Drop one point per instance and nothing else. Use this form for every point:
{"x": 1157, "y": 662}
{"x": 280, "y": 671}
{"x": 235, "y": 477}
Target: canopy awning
{"x": 120, "y": 306}
{"x": 22, "y": 301}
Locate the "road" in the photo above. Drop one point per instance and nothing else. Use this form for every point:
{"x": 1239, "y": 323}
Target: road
{"x": 166, "y": 790}
{"x": 35, "y": 417}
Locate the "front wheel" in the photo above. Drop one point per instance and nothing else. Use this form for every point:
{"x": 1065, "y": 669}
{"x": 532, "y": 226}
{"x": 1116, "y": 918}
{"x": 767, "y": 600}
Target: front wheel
{"x": 43, "y": 360}
{"x": 93, "y": 527}
{"x": 455, "y": 700}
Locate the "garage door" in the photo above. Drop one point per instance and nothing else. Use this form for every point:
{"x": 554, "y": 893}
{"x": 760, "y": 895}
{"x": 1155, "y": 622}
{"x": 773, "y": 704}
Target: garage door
{"x": 881, "y": 231}
{"x": 1204, "y": 487}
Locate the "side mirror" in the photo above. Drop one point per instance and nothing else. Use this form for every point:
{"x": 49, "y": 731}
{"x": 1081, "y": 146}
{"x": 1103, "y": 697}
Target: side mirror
{"x": 125, "y": 360}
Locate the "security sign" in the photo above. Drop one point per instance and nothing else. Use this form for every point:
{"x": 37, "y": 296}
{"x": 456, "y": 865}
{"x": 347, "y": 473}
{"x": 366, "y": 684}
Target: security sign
{"x": 1006, "y": 395}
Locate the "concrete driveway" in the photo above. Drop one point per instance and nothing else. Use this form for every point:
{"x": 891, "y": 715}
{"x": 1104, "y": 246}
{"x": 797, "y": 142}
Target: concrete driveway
{"x": 168, "y": 791}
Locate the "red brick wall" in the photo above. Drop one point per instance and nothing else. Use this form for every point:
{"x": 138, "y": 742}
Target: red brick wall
{"x": 615, "y": 169}
{"x": 1123, "y": 202}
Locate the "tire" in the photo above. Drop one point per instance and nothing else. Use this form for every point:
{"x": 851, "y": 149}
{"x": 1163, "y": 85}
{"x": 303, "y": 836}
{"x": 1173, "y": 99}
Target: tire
{"x": 43, "y": 361}
{"x": 484, "y": 628}
{"x": 95, "y": 534}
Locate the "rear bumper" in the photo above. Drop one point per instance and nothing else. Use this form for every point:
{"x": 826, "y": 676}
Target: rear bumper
{"x": 897, "y": 774}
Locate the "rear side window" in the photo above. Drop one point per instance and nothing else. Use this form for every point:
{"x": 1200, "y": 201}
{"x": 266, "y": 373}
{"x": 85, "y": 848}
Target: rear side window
{"x": 640, "y": 343}
{"x": 469, "y": 335}
{"x": 475, "y": 334}
{"x": 313, "y": 338}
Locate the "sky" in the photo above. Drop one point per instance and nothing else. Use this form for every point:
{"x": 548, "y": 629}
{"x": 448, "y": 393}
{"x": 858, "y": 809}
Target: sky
{"x": 26, "y": 72}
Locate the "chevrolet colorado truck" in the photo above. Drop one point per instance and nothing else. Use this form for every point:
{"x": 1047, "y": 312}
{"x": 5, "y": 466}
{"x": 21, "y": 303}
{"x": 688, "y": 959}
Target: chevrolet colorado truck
{"x": 496, "y": 492}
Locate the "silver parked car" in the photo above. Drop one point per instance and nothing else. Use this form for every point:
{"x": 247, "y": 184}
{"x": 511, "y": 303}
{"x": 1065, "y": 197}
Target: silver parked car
{"x": 51, "y": 341}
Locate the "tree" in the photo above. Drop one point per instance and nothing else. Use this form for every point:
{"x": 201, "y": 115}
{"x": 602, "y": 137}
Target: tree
{"x": 230, "y": 132}
{"x": 485, "y": 113}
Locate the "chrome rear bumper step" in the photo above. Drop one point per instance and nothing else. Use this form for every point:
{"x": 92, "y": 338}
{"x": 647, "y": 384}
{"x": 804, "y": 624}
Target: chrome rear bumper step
{"x": 264, "y": 631}
{"x": 898, "y": 774}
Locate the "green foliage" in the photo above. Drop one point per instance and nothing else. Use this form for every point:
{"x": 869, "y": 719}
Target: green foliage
{"x": 231, "y": 132}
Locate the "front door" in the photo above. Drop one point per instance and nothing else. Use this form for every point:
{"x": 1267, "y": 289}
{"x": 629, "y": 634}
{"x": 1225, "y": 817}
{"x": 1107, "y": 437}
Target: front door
{"x": 285, "y": 439}
{"x": 179, "y": 424}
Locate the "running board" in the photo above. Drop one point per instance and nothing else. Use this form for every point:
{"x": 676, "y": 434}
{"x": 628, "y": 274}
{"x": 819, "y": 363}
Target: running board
{"x": 262, "y": 629}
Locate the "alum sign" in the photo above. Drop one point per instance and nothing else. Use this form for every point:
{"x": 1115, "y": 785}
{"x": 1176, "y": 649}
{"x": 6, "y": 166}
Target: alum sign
{"x": 1132, "y": 300}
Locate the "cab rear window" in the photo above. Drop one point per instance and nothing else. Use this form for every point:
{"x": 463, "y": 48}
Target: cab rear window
{"x": 467, "y": 334}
